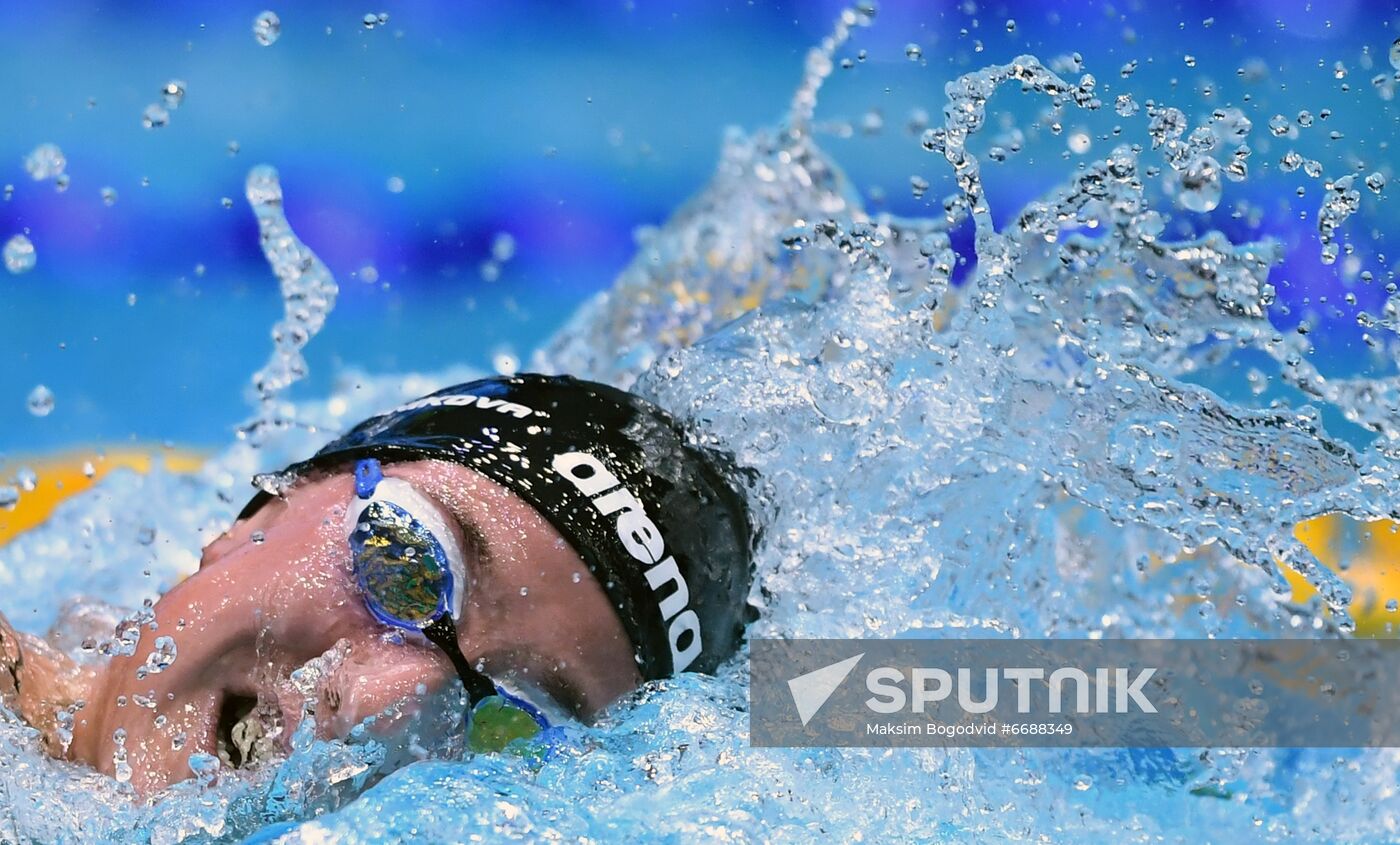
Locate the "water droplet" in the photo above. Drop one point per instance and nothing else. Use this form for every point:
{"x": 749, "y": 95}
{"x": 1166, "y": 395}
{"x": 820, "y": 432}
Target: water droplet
{"x": 913, "y": 52}
{"x": 19, "y": 255}
{"x": 1125, "y": 106}
{"x": 1305, "y": 118}
{"x": 1166, "y": 125}
{"x": 40, "y": 401}
{"x": 919, "y": 186}
{"x": 1231, "y": 126}
{"x": 9, "y": 497}
{"x": 162, "y": 656}
{"x": 155, "y": 116}
{"x": 121, "y": 769}
{"x": 1395, "y": 54}
{"x": 1392, "y": 605}
{"x": 258, "y": 538}
{"x": 1200, "y": 185}
{"x": 1010, "y": 25}
{"x": 394, "y": 184}
{"x": 173, "y": 92}
{"x": 371, "y": 21}
{"x": 503, "y": 247}
{"x": 89, "y": 471}
{"x": 267, "y": 28}
{"x": 1083, "y": 783}
{"x": 1279, "y": 125}
{"x": 1079, "y": 142}
{"x": 45, "y": 162}
{"x": 146, "y": 535}
{"x": 109, "y": 196}
{"x": 1376, "y": 182}
{"x": 1189, "y": 59}
{"x": 576, "y": 577}
{"x": 27, "y": 479}
{"x": 505, "y": 363}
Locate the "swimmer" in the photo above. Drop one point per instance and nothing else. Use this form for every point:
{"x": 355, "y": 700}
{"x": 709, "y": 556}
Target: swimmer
{"x": 548, "y": 542}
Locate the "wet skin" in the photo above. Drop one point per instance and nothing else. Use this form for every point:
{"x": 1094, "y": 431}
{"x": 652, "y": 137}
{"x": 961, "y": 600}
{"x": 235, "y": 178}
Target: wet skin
{"x": 277, "y": 590}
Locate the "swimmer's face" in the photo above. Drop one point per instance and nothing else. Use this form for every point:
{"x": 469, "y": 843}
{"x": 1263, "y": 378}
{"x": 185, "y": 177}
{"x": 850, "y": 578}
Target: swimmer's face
{"x": 278, "y": 590}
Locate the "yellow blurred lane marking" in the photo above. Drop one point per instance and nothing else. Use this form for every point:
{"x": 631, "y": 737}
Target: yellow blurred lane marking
{"x": 62, "y": 475}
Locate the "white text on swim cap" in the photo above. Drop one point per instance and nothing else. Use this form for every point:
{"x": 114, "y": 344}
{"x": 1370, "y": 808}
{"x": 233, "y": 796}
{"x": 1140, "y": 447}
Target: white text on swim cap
{"x": 643, "y": 541}
{"x": 485, "y": 403}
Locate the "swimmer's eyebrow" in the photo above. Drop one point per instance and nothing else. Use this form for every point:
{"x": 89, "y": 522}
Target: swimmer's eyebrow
{"x": 554, "y": 683}
{"x": 474, "y": 545}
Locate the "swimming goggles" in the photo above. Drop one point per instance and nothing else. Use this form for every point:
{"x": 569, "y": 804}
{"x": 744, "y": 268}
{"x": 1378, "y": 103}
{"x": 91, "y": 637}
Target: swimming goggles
{"x": 411, "y": 573}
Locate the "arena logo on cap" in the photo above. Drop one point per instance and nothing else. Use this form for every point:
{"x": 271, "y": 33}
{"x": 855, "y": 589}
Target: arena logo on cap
{"x": 485, "y": 403}
{"x": 643, "y": 541}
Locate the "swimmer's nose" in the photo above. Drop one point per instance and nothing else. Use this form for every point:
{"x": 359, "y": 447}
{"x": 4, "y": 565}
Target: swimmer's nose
{"x": 378, "y": 678}
{"x": 251, "y": 616}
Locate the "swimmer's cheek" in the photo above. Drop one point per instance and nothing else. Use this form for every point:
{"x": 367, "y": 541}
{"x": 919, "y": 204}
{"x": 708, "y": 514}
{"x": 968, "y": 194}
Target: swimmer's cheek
{"x": 390, "y": 688}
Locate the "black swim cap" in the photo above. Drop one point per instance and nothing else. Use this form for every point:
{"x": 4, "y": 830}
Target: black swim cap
{"x": 661, "y": 523}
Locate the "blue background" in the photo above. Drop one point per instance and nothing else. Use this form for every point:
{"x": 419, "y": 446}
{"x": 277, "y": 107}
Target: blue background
{"x": 565, "y": 124}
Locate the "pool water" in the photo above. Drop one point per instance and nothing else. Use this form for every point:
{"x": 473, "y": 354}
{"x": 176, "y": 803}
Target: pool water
{"x": 1080, "y": 416}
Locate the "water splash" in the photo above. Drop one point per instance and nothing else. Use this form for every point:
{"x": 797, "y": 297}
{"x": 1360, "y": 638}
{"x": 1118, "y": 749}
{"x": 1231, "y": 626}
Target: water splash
{"x": 308, "y": 295}
{"x": 1022, "y": 455}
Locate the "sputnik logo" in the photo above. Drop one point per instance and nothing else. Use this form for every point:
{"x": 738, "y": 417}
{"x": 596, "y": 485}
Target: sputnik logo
{"x": 810, "y": 691}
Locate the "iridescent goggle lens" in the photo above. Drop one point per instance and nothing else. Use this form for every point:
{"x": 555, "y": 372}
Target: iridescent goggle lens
{"x": 400, "y": 566}
{"x": 406, "y": 578}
